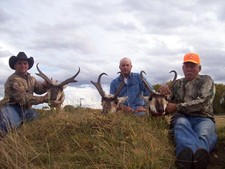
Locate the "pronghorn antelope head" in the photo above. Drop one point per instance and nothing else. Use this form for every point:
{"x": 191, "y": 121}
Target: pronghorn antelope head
{"x": 156, "y": 102}
{"x": 110, "y": 103}
{"x": 56, "y": 94}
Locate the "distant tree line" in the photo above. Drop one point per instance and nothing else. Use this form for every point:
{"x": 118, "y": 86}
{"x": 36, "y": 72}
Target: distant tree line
{"x": 219, "y": 101}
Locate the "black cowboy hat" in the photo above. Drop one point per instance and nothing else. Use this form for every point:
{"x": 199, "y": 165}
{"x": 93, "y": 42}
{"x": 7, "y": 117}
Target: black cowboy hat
{"x": 20, "y": 56}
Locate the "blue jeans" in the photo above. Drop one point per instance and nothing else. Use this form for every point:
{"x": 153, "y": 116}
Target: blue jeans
{"x": 12, "y": 116}
{"x": 194, "y": 132}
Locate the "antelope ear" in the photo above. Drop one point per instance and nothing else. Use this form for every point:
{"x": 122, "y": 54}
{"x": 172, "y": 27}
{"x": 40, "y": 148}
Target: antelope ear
{"x": 65, "y": 86}
{"x": 122, "y": 99}
{"x": 145, "y": 98}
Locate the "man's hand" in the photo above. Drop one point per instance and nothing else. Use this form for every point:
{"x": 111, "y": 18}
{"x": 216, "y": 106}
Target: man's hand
{"x": 126, "y": 109}
{"x": 140, "y": 109}
{"x": 171, "y": 108}
{"x": 164, "y": 89}
{"x": 45, "y": 98}
{"x": 46, "y": 84}
{"x": 55, "y": 103}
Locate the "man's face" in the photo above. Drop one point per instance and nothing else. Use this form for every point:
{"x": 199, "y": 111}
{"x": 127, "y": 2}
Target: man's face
{"x": 191, "y": 70}
{"x": 21, "y": 66}
{"x": 125, "y": 67}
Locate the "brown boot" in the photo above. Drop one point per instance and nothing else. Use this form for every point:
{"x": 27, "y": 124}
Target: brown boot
{"x": 184, "y": 159}
{"x": 201, "y": 159}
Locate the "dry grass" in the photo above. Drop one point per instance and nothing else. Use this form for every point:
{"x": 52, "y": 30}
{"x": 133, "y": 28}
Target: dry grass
{"x": 86, "y": 139}
{"x": 217, "y": 160}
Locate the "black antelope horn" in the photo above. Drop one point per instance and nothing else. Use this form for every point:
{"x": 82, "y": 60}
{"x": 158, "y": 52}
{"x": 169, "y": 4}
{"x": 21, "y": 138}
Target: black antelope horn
{"x": 174, "y": 79}
{"x": 146, "y": 83}
{"x": 69, "y": 80}
{"x": 98, "y": 85}
{"x": 120, "y": 86}
{"x": 41, "y": 74}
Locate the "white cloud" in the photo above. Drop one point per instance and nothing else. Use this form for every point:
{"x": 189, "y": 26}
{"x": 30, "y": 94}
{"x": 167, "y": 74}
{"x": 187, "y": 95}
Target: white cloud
{"x": 95, "y": 35}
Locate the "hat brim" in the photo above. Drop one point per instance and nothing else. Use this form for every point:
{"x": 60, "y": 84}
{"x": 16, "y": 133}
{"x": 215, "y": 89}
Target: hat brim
{"x": 14, "y": 59}
{"x": 191, "y": 61}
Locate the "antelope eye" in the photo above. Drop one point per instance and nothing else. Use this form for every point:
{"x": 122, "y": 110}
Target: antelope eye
{"x": 150, "y": 98}
{"x": 166, "y": 98}
{"x": 116, "y": 101}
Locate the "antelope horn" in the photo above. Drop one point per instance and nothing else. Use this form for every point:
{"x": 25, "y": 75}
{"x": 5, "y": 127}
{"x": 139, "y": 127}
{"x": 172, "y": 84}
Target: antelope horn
{"x": 174, "y": 79}
{"x": 146, "y": 83}
{"x": 70, "y": 80}
{"x": 98, "y": 85}
{"x": 41, "y": 74}
{"x": 120, "y": 86}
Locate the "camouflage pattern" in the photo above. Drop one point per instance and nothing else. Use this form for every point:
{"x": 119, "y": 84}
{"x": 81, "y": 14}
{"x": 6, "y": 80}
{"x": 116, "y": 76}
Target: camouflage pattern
{"x": 194, "y": 98}
{"x": 19, "y": 89}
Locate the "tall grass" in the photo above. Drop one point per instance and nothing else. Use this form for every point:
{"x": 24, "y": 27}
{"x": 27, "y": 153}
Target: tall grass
{"x": 86, "y": 139}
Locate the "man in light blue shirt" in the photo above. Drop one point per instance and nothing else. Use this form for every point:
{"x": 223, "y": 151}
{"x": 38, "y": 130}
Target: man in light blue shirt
{"x": 133, "y": 88}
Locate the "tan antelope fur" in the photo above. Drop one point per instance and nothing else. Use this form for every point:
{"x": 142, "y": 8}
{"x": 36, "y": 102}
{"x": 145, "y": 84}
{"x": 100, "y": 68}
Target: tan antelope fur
{"x": 56, "y": 94}
{"x": 110, "y": 103}
{"x": 156, "y": 102}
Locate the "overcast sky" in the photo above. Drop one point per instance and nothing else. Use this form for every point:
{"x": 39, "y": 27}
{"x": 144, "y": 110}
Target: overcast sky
{"x": 95, "y": 34}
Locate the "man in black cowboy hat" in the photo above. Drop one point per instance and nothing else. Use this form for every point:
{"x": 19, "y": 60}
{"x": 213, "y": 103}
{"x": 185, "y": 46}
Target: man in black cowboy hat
{"x": 19, "y": 89}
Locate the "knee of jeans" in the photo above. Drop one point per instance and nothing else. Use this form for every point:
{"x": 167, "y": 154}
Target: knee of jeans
{"x": 31, "y": 115}
{"x": 181, "y": 121}
{"x": 35, "y": 115}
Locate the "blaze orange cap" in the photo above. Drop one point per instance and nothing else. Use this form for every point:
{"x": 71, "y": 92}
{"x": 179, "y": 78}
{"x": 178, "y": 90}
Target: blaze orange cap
{"x": 192, "y": 57}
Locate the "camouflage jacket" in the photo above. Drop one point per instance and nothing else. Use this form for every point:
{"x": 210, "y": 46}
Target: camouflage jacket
{"x": 194, "y": 98}
{"x": 19, "y": 89}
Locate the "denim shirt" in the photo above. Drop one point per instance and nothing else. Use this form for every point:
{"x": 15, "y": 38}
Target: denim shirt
{"x": 134, "y": 88}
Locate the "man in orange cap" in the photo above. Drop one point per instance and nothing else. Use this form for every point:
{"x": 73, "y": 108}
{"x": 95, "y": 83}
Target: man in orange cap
{"x": 192, "y": 123}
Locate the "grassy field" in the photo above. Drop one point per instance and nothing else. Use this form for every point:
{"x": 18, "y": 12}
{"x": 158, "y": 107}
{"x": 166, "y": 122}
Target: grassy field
{"x": 218, "y": 155}
{"x": 84, "y": 138}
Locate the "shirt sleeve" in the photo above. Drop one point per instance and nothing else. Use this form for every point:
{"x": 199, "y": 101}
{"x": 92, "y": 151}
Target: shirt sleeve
{"x": 112, "y": 89}
{"x": 40, "y": 87}
{"x": 20, "y": 94}
{"x": 206, "y": 92}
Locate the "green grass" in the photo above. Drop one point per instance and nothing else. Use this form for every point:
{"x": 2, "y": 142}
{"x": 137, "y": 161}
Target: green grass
{"x": 86, "y": 139}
